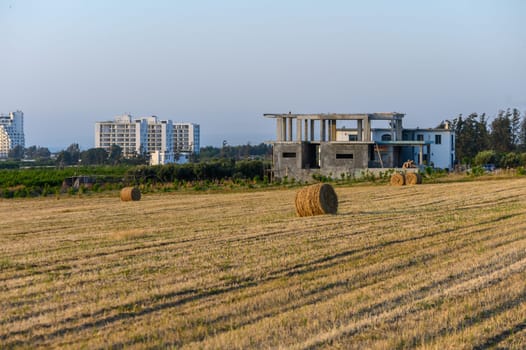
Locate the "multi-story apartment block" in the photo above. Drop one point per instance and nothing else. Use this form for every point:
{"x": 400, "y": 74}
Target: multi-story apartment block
{"x": 159, "y": 135}
{"x": 161, "y": 139}
{"x": 185, "y": 139}
{"x": 130, "y": 135}
{"x": 11, "y": 132}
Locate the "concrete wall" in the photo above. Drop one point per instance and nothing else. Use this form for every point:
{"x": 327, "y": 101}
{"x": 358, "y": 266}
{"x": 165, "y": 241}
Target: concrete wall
{"x": 341, "y": 156}
{"x": 298, "y": 160}
{"x": 287, "y": 157}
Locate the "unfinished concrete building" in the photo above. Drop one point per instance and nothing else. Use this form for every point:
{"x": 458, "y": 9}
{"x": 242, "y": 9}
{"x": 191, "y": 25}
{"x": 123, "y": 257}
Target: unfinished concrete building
{"x": 308, "y": 144}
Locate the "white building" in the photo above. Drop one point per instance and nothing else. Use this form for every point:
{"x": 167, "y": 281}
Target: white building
{"x": 130, "y": 135}
{"x": 161, "y": 139}
{"x": 185, "y": 140}
{"x": 439, "y": 149}
{"x": 432, "y": 146}
{"x": 11, "y": 132}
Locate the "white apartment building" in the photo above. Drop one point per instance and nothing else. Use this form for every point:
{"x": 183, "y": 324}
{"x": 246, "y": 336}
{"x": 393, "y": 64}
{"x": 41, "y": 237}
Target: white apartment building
{"x": 130, "y": 135}
{"x": 161, "y": 139}
{"x": 186, "y": 138}
{"x": 11, "y": 132}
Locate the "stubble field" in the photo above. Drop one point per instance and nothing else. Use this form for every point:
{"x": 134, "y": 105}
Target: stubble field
{"x": 430, "y": 266}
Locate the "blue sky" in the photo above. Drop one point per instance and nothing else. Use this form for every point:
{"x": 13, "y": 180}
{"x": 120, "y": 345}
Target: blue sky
{"x": 69, "y": 63}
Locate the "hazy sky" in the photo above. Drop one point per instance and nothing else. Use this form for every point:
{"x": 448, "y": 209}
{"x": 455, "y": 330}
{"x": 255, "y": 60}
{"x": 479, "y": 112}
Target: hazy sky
{"x": 222, "y": 64}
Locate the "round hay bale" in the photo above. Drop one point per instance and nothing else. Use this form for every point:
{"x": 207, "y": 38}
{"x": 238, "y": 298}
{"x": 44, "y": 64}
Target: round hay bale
{"x": 413, "y": 178}
{"x": 316, "y": 199}
{"x": 398, "y": 179}
{"x": 130, "y": 194}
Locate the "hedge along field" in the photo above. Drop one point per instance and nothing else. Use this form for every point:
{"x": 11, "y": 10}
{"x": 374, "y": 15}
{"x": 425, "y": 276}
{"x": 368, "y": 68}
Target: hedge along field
{"x": 35, "y": 182}
{"x": 428, "y": 266}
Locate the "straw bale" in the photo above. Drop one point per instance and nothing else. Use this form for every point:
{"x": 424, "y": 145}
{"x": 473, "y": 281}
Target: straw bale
{"x": 130, "y": 194}
{"x": 316, "y": 199}
{"x": 398, "y": 179}
{"x": 413, "y": 178}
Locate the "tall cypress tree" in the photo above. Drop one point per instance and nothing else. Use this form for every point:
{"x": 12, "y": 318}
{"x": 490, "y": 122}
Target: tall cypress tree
{"x": 501, "y": 133}
{"x": 482, "y": 135}
{"x": 522, "y": 134}
{"x": 472, "y": 136}
{"x": 516, "y": 127}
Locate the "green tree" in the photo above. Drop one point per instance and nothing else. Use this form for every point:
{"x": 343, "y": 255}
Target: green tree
{"x": 510, "y": 160}
{"x": 74, "y": 152}
{"x": 63, "y": 159}
{"x": 16, "y": 152}
{"x": 522, "y": 134}
{"x": 471, "y": 136}
{"x": 43, "y": 153}
{"x": 35, "y": 152}
{"x": 502, "y": 133}
{"x": 115, "y": 155}
{"x": 94, "y": 156}
{"x": 516, "y": 127}
{"x": 485, "y": 157}
{"x": 31, "y": 152}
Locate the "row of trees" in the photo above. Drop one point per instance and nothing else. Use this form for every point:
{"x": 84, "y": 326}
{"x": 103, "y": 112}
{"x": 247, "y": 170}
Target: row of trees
{"x": 96, "y": 156}
{"x": 214, "y": 170}
{"x": 72, "y": 155}
{"x": 32, "y": 152}
{"x": 474, "y": 134}
{"x": 261, "y": 151}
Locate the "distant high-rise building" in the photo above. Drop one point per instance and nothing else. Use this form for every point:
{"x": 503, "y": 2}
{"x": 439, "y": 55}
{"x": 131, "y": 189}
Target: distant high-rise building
{"x": 186, "y": 138}
{"x": 11, "y": 132}
{"x": 130, "y": 135}
{"x": 161, "y": 139}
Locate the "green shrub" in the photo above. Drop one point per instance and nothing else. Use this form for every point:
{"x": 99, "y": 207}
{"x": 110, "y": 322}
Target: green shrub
{"x": 510, "y": 160}
{"x": 485, "y": 157}
{"x": 476, "y": 171}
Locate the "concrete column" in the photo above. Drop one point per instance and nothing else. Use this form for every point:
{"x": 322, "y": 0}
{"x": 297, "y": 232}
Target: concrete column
{"x": 298, "y": 130}
{"x": 367, "y": 136}
{"x": 283, "y": 129}
{"x": 311, "y": 130}
{"x": 322, "y": 130}
{"x": 359, "y": 129}
{"x": 279, "y": 133}
{"x": 289, "y": 131}
{"x": 306, "y": 130}
{"x": 333, "y": 131}
{"x": 421, "y": 155}
{"x": 399, "y": 130}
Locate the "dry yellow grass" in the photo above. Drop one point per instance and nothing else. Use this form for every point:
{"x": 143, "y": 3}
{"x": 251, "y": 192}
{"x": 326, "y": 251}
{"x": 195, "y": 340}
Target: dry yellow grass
{"x": 430, "y": 266}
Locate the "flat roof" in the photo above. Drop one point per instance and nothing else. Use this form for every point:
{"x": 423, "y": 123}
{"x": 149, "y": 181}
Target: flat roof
{"x": 338, "y": 116}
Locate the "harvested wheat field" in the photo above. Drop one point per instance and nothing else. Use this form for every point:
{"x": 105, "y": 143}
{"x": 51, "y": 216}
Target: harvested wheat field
{"x": 431, "y": 266}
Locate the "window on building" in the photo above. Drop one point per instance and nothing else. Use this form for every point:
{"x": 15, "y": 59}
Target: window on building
{"x": 438, "y": 139}
{"x": 386, "y": 137}
{"x": 289, "y": 155}
{"x": 353, "y": 137}
{"x": 420, "y": 137}
{"x": 344, "y": 156}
